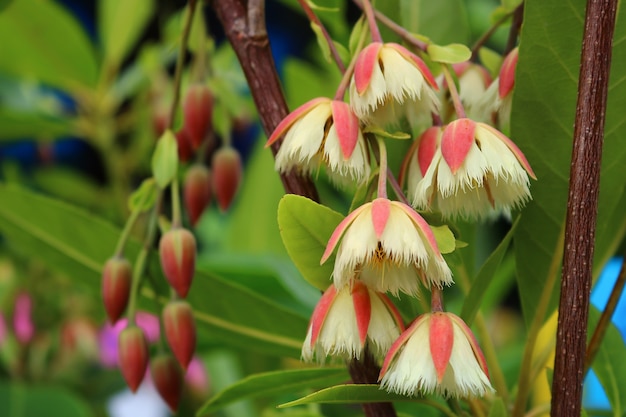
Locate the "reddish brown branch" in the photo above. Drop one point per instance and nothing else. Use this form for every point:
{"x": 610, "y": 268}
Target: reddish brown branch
{"x": 582, "y": 206}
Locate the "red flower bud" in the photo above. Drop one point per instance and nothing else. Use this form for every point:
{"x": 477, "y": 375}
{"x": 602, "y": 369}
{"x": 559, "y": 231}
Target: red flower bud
{"x": 168, "y": 379}
{"x": 133, "y": 356}
{"x": 180, "y": 331}
{"x": 177, "y": 249}
{"x": 197, "y": 191}
{"x": 184, "y": 145}
{"x": 116, "y": 282}
{"x": 227, "y": 172}
{"x": 197, "y": 113}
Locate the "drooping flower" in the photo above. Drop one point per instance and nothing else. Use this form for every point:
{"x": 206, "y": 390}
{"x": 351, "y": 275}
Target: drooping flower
{"x": 390, "y": 82}
{"x": 473, "y": 80}
{"x": 496, "y": 101}
{"x": 322, "y": 132}
{"x": 388, "y": 246}
{"x": 347, "y": 319}
{"x": 437, "y": 354}
{"x": 471, "y": 170}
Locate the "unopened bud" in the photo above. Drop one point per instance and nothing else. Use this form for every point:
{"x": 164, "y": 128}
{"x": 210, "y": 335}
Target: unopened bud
{"x": 184, "y": 145}
{"x": 116, "y": 282}
{"x": 180, "y": 331}
{"x": 197, "y": 113}
{"x": 227, "y": 172}
{"x": 133, "y": 356}
{"x": 168, "y": 379}
{"x": 177, "y": 250}
{"x": 197, "y": 191}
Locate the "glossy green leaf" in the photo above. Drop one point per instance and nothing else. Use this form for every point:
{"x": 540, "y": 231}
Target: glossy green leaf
{"x": 21, "y": 400}
{"x": 445, "y": 238}
{"x": 17, "y": 125}
{"x": 610, "y": 372}
{"x": 349, "y": 394}
{"x": 46, "y": 43}
{"x": 443, "y": 21}
{"x": 121, "y": 23}
{"x": 449, "y": 54}
{"x": 483, "y": 279}
{"x": 305, "y": 227}
{"x": 274, "y": 383}
{"x": 542, "y": 125}
{"x": 165, "y": 159}
{"x": 76, "y": 243}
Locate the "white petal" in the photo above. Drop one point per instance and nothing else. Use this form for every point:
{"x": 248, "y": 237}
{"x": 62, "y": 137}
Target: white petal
{"x": 383, "y": 330}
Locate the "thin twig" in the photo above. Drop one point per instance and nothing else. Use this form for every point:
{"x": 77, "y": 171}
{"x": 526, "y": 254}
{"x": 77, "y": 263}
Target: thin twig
{"x": 582, "y": 207}
{"x": 329, "y": 41}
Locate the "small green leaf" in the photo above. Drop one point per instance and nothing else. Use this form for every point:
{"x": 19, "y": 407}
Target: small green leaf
{"x": 121, "y": 24}
{"x": 321, "y": 8}
{"x": 357, "y": 34}
{"x": 321, "y": 41}
{"x": 491, "y": 60}
{"x": 498, "y": 408}
{"x": 485, "y": 276}
{"x": 383, "y": 133}
{"x": 165, "y": 159}
{"x": 349, "y": 394}
{"x": 445, "y": 238}
{"x": 274, "y": 383}
{"x": 449, "y": 54}
{"x": 305, "y": 227}
{"x": 144, "y": 197}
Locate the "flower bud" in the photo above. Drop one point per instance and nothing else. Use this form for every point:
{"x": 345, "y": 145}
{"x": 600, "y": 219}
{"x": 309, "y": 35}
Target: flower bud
{"x": 177, "y": 250}
{"x": 227, "y": 171}
{"x": 116, "y": 282}
{"x": 197, "y": 113}
{"x": 133, "y": 356}
{"x": 197, "y": 191}
{"x": 168, "y": 379}
{"x": 180, "y": 331}
{"x": 184, "y": 145}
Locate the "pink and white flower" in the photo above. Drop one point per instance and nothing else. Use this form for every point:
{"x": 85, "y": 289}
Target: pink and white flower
{"x": 437, "y": 354}
{"x": 389, "y": 246}
{"x": 390, "y": 82}
{"x": 322, "y": 132}
{"x": 498, "y": 98}
{"x": 470, "y": 170}
{"x": 347, "y": 319}
{"x": 473, "y": 79}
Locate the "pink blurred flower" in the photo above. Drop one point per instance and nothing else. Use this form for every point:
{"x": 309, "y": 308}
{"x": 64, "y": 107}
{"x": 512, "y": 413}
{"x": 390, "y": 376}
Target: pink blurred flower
{"x": 22, "y": 320}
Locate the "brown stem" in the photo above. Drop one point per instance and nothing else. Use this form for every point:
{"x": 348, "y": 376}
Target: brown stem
{"x": 582, "y": 206}
{"x": 516, "y": 25}
{"x": 252, "y": 48}
{"x": 605, "y": 318}
{"x": 246, "y": 32}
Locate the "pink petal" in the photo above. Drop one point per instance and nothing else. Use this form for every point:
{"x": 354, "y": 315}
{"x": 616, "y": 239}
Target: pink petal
{"x": 441, "y": 341}
{"x": 334, "y": 238}
{"x": 320, "y": 312}
{"x": 362, "y": 309}
{"x": 400, "y": 341}
{"x": 380, "y": 214}
{"x": 507, "y": 74}
{"x": 421, "y": 65}
{"x": 292, "y": 117}
{"x": 428, "y": 142}
{"x": 456, "y": 141}
{"x": 364, "y": 66}
{"x": 473, "y": 342}
{"x": 422, "y": 225}
{"x": 393, "y": 310}
{"x": 512, "y": 146}
{"x": 347, "y": 127}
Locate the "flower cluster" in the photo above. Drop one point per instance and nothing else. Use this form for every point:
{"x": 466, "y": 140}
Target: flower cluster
{"x": 465, "y": 168}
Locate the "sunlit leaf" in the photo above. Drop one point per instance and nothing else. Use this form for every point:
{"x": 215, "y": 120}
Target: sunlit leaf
{"x": 165, "y": 159}
{"x": 274, "y": 383}
{"x": 449, "y": 54}
{"x": 349, "y": 394}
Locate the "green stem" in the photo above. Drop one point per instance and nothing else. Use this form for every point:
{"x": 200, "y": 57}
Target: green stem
{"x": 331, "y": 45}
{"x": 371, "y": 21}
{"x": 382, "y": 169}
{"x": 454, "y": 93}
{"x": 177, "y": 219}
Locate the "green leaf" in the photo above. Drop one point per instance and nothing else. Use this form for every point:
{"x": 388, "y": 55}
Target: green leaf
{"x": 46, "y": 43}
{"x": 491, "y": 60}
{"x": 165, "y": 159}
{"x": 549, "y": 58}
{"x": 357, "y": 33}
{"x": 610, "y": 372}
{"x": 321, "y": 41}
{"x": 144, "y": 197}
{"x": 483, "y": 279}
{"x": 305, "y": 227}
{"x": 272, "y": 384}
{"x": 349, "y": 394}
{"x": 443, "y": 21}
{"x": 76, "y": 243}
{"x": 383, "y": 133}
{"x": 449, "y": 54}
{"x": 121, "y": 23}
{"x": 498, "y": 408}
{"x": 445, "y": 238}
{"x": 20, "y": 400}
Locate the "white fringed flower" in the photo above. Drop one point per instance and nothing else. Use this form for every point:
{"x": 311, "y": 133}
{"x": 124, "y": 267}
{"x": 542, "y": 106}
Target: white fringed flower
{"x": 495, "y": 103}
{"x": 388, "y": 246}
{"x": 471, "y": 170}
{"x": 322, "y": 132}
{"x": 473, "y": 79}
{"x": 345, "y": 320}
{"x": 437, "y": 354}
{"x": 390, "y": 82}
